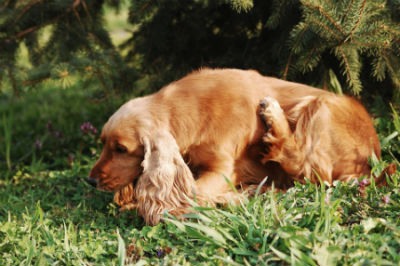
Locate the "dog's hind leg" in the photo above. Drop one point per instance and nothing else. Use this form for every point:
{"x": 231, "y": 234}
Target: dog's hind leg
{"x": 302, "y": 153}
{"x": 280, "y": 142}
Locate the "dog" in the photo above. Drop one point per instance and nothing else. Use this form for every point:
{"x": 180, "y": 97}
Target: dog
{"x": 216, "y": 129}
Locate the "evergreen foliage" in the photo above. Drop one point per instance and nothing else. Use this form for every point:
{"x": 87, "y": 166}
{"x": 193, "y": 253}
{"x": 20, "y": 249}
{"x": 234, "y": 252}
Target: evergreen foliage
{"x": 314, "y": 41}
{"x": 350, "y": 43}
{"x": 62, "y": 38}
{"x": 349, "y": 30}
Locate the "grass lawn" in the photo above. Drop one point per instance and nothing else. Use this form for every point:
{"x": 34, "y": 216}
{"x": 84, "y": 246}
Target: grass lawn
{"x": 53, "y": 217}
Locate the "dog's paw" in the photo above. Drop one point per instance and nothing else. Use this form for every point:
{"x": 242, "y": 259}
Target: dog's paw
{"x": 270, "y": 110}
{"x": 277, "y": 127}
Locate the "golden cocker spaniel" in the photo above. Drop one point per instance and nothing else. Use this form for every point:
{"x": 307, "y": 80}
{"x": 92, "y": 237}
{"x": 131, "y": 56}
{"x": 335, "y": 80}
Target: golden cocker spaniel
{"x": 212, "y": 126}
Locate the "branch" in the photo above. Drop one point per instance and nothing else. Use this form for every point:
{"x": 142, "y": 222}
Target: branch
{"x": 289, "y": 62}
{"x": 26, "y": 9}
{"x": 392, "y": 70}
{"x": 352, "y": 78}
{"x": 21, "y": 34}
{"x": 326, "y": 28}
{"x": 347, "y": 10}
{"x": 326, "y": 15}
{"x": 360, "y": 15}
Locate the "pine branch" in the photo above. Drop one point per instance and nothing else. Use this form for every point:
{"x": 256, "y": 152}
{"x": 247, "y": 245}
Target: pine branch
{"x": 274, "y": 19}
{"x": 325, "y": 14}
{"x": 241, "y": 5}
{"x": 279, "y": 8}
{"x": 142, "y": 8}
{"x": 298, "y": 34}
{"x": 310, "y": 59}
{"x": 287, "y": 66}
{"x": 360, "y": 15}
{"x": 379, "y": 68}
{"x": 324, "y": 30}
{"x": 392, "y": 63}
{"x": 347, "y": 12}
{"x": 350, "y": 63}
{"x": 23, "y": 33}
{"x": 26, "y": 9}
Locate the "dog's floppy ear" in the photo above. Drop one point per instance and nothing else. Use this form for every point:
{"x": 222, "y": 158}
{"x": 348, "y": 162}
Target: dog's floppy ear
{"x": 166, "y": 183}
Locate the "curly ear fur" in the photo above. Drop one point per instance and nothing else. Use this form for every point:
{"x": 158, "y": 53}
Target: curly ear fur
{"x": 166, "y": 183}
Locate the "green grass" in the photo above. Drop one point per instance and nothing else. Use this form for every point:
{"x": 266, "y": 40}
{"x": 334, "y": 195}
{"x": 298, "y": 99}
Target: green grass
{"x": 51, "y": 116}
{"x": 54, "y": 217}
{"x": 50, "y": 216}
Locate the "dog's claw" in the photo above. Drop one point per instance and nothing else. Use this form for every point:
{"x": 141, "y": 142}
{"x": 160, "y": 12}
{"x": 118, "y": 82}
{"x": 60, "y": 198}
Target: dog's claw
{"x": 263, "y": 103}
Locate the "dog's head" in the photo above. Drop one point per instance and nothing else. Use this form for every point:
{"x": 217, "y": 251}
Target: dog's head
{"x": 141, "y": 163}
{"x": 121, "y": 158}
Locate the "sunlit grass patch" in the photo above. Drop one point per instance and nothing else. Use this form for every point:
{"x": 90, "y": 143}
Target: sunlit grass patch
{"x": 54, "y": 217}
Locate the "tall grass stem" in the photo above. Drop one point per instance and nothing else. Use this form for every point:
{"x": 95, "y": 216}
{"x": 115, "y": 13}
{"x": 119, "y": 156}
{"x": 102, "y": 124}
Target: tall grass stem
{"x": 7, "y": 130}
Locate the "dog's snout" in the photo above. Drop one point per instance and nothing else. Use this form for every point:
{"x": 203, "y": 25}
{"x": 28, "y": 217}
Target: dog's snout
{"x": 91, "y": 181}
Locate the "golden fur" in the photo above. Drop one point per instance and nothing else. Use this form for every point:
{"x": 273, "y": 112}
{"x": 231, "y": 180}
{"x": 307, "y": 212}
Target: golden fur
{"x": 183, "y": 142}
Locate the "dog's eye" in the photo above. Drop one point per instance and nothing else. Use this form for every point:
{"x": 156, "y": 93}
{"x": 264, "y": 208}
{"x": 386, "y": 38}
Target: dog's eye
{"x": 120, "y": 149}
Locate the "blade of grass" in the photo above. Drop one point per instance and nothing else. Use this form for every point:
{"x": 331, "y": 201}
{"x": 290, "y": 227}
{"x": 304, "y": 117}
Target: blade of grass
{"x": 7, "y": 129}
{"x": 121, "y": 250}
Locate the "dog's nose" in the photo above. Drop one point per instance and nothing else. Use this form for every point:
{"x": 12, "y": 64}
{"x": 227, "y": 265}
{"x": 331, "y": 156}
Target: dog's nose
{"x": 91, "y": 181}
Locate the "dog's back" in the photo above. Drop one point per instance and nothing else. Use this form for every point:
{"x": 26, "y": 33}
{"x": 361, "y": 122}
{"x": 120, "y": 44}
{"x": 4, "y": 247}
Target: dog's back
{"x": 214, "y": 113}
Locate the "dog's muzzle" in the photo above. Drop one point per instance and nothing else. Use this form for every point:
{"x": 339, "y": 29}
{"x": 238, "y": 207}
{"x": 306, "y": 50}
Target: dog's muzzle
{"x": 91, "y": 181}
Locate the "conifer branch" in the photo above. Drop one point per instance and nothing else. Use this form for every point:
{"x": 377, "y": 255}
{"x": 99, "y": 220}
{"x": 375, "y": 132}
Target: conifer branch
{"x": 310, "y": 58}
{"x": 298, "y": 34}
{"x": 394, "y": 73}
{"x": 85, "y": 8}
{"x": 323, "y": 26}
{"x": 26, "y": 9}
{"x": 22, "y": 34}
{"x": 321, "y": 10}
{"x": 297, "y": 41}
{"x": 360, "y": 15}
{"x": 347, "y": 10}
{"x": 351, "y": 68}
{"x": 289, "y": 62}
{"x": 379, "y": 67}
{"x": 76, "y": 13}
{"x": 366, "y": 44}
